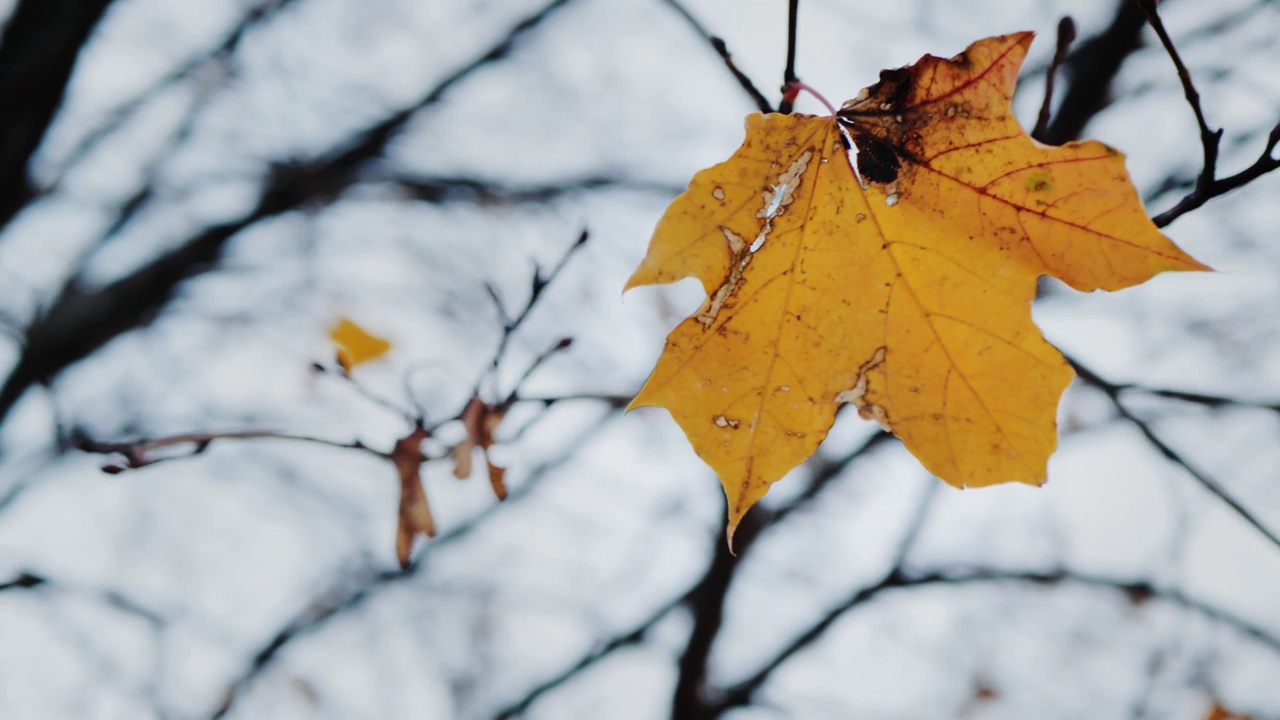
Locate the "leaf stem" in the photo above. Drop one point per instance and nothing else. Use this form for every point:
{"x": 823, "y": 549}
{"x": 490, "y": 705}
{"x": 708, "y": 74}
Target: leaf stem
{"x": 796, "y": 86}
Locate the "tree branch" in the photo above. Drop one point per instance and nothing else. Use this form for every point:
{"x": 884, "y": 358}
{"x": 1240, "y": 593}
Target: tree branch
{"x": 366, "y": 583}
{"x": 122, "y": 114}
{"x": 439, "y": 190}
{"x": 744, "y": 693}
{"x": 80, "y": 321}
{"x": 1066, "y": 36}
{"x": 704, "y": 596}
{"x": 1090, "y": 69}
{"x": 39, "y": 51}
{"x": 140, "y": 453}
{"x": 1112, "y": 391}
{"x": 789, "y": 77}
{"x": 761, "y": 102}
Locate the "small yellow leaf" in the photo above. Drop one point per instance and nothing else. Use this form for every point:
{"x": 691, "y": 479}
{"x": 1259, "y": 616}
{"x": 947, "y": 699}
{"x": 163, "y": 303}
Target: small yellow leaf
{"x": 886, "y": 257}
{"x": 356, "y": 345}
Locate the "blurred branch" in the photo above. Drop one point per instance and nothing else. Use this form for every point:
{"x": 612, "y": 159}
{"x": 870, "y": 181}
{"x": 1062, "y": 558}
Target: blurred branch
{"x": 704, "y": 598}
{"x": 1138, "y": 592}
{"x": 41, "y": 45}
{"x": 140, "y": 453}
{"x": 1210, "y": 401}
{"x": 439, "y": 190}
{"x": 1089, "y": 71}
{"x": 743, "y": 692}
{"x": 1113, "y": 391}
{"x": 82, "y": 320}
{"x": 365, "y": 583}
{"x": 604, "y": 649}
{"x": 108, "y": 598}
{"x": 126, "y": 111}
{"x": 24, "y": 581}
{"x": 761, "y": 102}
{"x": 1066, "y": 36}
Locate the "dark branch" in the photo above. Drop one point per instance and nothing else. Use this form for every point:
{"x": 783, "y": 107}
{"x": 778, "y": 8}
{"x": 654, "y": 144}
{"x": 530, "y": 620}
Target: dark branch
{"x": 1204, "y": 192}
{"x": 41, "y": 45}
{"x": 717, "y": 44}
{"x": 789, "y": 77}
{"x": 1210, "y": 140}
{"x": 366, "y": 583}
{"x": 708, "y": 593}
{"x": 634, "y": 636}
{"x": 1066, "y": 36}
{"x": 1090, "y": 70}
{"x": 511, "y": 325}
{"x": 24, "y": 581}
{"x": 80, "y": 321}
{"x": 1113, "y": 391}
{"x": 217, "y": 55}
{"x": 1207, "y": 184}
{"x": 441, "y": 190}
{"x": 141, "y": 453}
{"x": 744, "y": 693}
{"x": 705, "y": 601}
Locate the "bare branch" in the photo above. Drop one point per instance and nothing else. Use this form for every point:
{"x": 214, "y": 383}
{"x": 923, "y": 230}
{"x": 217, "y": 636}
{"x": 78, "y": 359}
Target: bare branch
{"x": 80, "y": 321}
{"x": 789, "y": 77}
{"x": 1138, "y": 591}
{"x": 762, "y": 103}
{"x": 512, "y": 324}
{"x": 1066, "y": 36}
{"x": 41, "y": 44}
{"x": 440, "y": 190}
{"x": 366, "y": 583}
{"x": 1112, "y": 391}
{"x": 139, "y": 453}
{"x": 743, "y": 692}
{"x": 122, "y": 114}
{"x": 1089, "y": 71}
{"x": 1208, "y": 185}
{"x": 706, "y": 596}
{"x": 1204, "y": 192}
{"x": 24, "y": 581}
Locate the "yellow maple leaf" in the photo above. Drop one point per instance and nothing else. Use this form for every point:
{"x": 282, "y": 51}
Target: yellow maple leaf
{"x": 903, "y": 286}
{"x": 356, "y": 345}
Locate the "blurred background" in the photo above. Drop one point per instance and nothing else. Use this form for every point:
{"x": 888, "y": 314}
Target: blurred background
{"x": 192, "y": 194}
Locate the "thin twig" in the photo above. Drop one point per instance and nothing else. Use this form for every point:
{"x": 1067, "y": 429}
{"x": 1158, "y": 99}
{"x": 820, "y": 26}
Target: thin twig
{"x": 1209, "y": 139}
{"x": 1207, "y": 186}
{"x": 138, "y": 453}
{"x": 1113, "y": 391}
{"x": 1200, "y": 195}
{"x": 789, "y": 77}
{"x": 125, "y": 112}
{"x": 760, "y": 520}
{"x": 717, "y": 44}
{"x": 364, "y": 392}
{"x": 1066, "y": 36}
{"x": 365, "y": 583}
{"x": 511, "y": 324}
{"x": 744, "y": 692}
